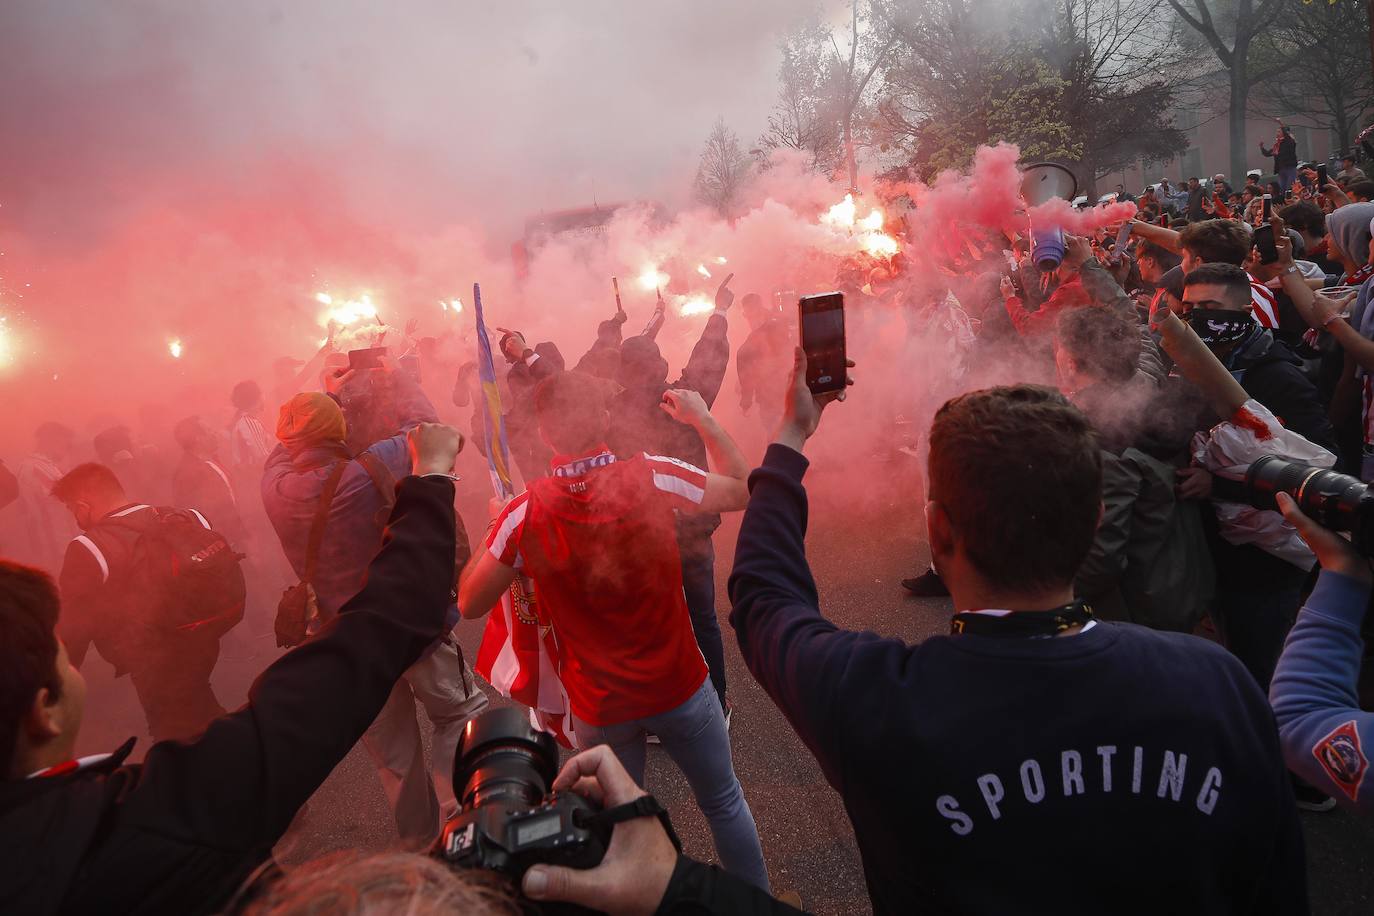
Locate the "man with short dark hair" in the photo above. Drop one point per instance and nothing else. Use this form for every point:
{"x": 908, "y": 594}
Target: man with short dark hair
{"x": 1155, "y": 261}
{"x": 107, "y": 591}
{"x": 1350, "y": 171}
{"x": 598, "y": 537}
{"x": 1196, "y": 195}
{"x": 1215, "y": 241}
{"x": 1360, "y": 191}
{"x": 1257, "y": 592}
{"x": 180, "y": 832}
{"x": 1031, "y": 724}
{"x": 1308, "y": 220}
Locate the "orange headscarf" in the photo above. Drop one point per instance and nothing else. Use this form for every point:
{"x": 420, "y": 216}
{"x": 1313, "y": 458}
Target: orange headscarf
{"x": 310, "y": 419}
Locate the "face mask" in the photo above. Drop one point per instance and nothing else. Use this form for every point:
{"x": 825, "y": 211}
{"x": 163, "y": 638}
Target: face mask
{"x": 1219, "y": 327}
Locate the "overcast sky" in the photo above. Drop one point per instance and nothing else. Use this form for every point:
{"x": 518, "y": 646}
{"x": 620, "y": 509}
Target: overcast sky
{"x": 426, "y": 110}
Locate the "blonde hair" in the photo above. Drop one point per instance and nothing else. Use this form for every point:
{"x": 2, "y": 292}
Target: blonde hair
{"x": 382, "y": 884}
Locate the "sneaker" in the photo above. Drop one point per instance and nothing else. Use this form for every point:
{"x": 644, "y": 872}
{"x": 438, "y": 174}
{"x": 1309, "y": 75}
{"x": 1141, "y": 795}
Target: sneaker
{"x": 652, "y": 739}
{"x": 927, "y": 585}
{"x": 729, "y": 711}
{"x": 791, "y": 898}
{"x": 1310, "y": 798}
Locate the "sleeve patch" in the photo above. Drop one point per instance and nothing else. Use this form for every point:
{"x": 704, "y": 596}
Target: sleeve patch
{"x": 1343, "y": 759}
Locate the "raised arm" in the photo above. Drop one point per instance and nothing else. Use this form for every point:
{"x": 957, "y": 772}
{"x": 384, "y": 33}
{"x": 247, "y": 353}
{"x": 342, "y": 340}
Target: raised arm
{"x": 312, "y": 705}
{"x": 1317, "y": 310}
{"x": 706, "y": 367}
{"x": 727, "y": 488}
{"x": 1159, "y": 235}
{"x": 1322, "y": 729}
{"x": 815, "y": 672}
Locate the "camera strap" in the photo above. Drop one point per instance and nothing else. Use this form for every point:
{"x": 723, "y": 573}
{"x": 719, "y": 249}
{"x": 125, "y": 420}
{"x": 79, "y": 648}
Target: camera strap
{"x": 644, "y": 806}
{"x": 1023, "y": 624}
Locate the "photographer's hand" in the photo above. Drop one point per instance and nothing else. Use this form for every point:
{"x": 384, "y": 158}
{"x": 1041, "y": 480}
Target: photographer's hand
{"x": 639, "y": 863}
{"x": 802, "y": 410}
{"x": 1334, "y": 552}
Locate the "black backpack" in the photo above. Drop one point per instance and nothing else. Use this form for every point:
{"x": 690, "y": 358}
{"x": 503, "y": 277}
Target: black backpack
{"x": 179, "y": 572}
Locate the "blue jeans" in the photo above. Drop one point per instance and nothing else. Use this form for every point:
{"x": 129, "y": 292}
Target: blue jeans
{"x": 694, "y": 735}
{"x": 1287, "y": 176}
{"x": 699, "y": 586}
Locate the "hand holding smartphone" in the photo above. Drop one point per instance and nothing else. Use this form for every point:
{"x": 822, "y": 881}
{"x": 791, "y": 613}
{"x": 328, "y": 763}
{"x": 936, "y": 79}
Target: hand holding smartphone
{"x": 822, "y": 339}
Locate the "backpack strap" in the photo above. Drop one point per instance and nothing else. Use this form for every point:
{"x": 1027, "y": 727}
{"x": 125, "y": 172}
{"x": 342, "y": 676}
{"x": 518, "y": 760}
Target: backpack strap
{"x": 312, "y": 549}
{"x": 382, "y": 479}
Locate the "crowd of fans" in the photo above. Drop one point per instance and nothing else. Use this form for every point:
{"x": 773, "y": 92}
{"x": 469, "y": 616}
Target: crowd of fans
{"x": 1127, "y": 652}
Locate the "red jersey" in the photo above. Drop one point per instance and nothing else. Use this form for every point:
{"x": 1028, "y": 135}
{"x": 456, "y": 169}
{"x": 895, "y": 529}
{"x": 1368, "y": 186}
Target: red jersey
{"x": 599, "y": 540}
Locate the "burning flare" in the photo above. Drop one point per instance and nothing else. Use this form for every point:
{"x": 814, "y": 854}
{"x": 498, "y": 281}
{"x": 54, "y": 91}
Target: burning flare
{"x": 345, "y": 311}
{"x": 701, "y": 269}
{"x": 652, "y": 278}
{"x": 695, "y": 304}
{"x": 174, "y": 347}
{"x": 868, "y": 232}
{"x": 453, "y": 305}
{"x": 6, "y": 343}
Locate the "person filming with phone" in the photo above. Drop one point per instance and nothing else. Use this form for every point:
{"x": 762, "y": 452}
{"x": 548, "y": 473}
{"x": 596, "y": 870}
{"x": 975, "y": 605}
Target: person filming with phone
{"x": 1033, "y": 724}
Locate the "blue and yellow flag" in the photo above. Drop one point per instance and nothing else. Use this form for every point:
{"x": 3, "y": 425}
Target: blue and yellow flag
{"x": 498, "y": 451}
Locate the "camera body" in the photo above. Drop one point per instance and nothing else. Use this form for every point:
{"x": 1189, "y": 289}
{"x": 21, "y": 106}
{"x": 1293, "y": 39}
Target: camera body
{"x": 508, "y": 819}
{"x": 508, "y": 837}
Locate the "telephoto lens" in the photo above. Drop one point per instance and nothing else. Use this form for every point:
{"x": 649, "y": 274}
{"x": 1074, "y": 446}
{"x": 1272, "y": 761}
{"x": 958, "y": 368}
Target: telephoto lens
{"x": 500, "y": 756}
{"x": 1335, "y": 501}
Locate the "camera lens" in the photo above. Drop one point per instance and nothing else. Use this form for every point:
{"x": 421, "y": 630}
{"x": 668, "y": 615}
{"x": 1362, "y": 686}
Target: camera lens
{"x": 1333, "y": 500}
{"x": 500, "y": 756}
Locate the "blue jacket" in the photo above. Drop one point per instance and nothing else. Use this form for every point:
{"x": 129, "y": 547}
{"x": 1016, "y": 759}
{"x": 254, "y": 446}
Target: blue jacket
{"x": 291, "y": 487}
{"x": 1326, "y": 738}
{"x": 968, "y": 765}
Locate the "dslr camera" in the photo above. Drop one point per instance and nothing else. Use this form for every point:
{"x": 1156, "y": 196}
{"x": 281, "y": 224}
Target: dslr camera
{"x": 1335, "y": 501}
{"x": 507, "y": 818}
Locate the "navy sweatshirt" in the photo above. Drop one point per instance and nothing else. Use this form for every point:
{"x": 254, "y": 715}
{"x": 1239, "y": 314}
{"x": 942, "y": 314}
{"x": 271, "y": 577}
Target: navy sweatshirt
{"x": 1119, "y": 770}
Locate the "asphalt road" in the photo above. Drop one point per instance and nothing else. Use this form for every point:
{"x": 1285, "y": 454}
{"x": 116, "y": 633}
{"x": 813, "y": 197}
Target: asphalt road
{"x": 859, "y": 555}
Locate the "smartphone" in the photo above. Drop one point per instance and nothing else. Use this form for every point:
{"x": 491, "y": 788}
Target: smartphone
{"x": 1321, "y": 178}
{"x": 1268, "y": 207}
{"x": 1123, "y": 238}
{"x": 370, "y": 358}
{"x": 1264, "y": 241}
{"x": 822, "y": 337}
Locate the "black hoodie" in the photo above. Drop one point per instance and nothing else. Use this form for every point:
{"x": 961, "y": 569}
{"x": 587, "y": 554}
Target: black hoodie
{"x": 179, "y": 832}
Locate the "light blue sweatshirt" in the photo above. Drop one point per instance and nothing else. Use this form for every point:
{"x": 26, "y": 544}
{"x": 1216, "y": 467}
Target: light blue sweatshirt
{"x": 1327, "y": 739}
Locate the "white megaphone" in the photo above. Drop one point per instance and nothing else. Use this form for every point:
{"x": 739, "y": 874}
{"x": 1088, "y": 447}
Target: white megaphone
{"x": 1041, "y": 181}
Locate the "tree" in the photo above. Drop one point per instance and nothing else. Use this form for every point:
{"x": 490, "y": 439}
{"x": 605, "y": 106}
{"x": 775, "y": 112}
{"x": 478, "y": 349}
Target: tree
{"x": 805, "y": 117}
{"x": 851, "y": 74}
{"x": 1329, "y": 81}
{"x": 1244, "y": 26}
{"x": 1069, "y": 80}
{"x": 825, "y": 93}
{"x": 1117, "y": 68}
{"x": 723, "y": 171}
